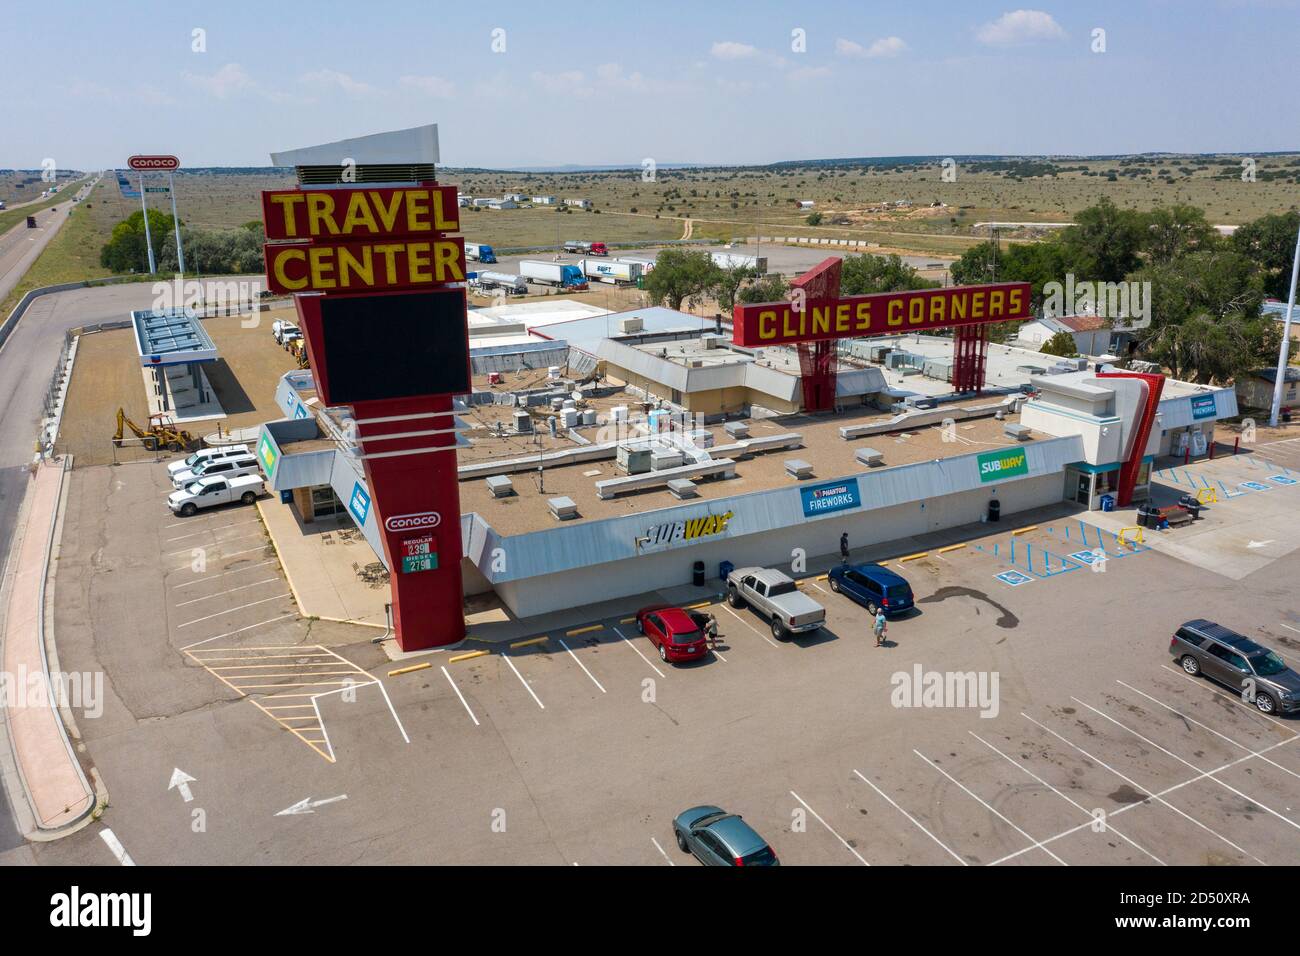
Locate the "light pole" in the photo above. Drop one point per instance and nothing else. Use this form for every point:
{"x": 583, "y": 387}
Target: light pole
{"x": 1279, "y": 383}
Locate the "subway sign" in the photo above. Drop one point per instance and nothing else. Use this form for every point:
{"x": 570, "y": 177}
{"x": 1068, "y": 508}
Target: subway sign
{"x": 996, "y": 465}
{"x": 688, "y": 531}
{"x": 883, "y": 313}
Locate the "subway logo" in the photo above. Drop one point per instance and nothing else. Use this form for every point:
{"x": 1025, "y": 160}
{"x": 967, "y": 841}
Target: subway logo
{"x": 1002, "y": 464}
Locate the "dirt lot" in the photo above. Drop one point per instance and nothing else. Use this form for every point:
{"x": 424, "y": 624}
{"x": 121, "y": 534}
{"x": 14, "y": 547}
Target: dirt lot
{"x": 107, "y": 376}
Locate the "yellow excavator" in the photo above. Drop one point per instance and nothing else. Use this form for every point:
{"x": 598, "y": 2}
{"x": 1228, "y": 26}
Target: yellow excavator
{"x": 298, "y": 349}
{"x": 161, "y": 433}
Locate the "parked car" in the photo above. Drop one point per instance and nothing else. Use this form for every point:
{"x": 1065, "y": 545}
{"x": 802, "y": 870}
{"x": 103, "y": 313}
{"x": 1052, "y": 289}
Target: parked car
{"x": 774, "y": 596}
{"x": 210, "y": 492}
{"x": 190, "y": 462}
{"x": 227, "y": 467}
{"x": 1232, "y": 659}
{"x": 719, "y": 838}
{"x": 873, "y": 586}
{"x": 674, "y": 631}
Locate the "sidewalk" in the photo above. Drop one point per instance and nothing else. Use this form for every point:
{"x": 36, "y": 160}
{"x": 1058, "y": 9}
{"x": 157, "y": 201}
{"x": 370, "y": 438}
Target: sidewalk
{"x": 44, "y": 764}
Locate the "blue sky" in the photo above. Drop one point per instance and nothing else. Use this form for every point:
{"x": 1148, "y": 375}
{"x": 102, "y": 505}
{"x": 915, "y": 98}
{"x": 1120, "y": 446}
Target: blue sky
{"x": 616, "y": 82}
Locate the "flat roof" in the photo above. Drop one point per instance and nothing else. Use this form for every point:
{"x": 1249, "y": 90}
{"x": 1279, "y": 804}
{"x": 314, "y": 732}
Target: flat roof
{"x": 830, "y": 455}
{"x": 171, "y": 337}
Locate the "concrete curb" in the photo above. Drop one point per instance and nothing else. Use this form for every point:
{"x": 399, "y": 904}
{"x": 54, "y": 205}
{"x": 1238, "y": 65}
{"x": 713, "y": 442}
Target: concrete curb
{"x": 96, "y": 795}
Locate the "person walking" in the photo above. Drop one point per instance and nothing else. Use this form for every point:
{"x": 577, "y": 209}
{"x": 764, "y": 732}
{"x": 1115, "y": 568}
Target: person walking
{"x": 844, "y": 547}
{"x": 880, "y": 627}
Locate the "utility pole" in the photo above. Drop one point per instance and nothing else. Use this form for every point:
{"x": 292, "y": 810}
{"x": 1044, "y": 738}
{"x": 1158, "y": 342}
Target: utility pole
{"x": 148, "y": 241}
{"x": 1282, "y": 358}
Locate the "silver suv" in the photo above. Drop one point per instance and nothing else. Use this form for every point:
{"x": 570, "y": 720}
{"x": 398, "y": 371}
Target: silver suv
{"x": 1262, "y": 678}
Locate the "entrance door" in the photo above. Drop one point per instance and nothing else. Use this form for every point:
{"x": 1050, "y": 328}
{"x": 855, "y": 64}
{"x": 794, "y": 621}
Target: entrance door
{"x": 1083, "y": 490}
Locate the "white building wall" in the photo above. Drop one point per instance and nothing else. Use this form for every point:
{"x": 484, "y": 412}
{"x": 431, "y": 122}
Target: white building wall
{"x": 552, "y": 592}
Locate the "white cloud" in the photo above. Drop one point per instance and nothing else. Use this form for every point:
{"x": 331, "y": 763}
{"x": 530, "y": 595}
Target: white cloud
{"x": 152, "y": 96}
{"x": 731, "y": 50}
{"x": 227, "y": 81}
{"x": 89, "y": 89}
{"x": 327, "y": 80}
{"x": 809, "y": 73}
{"x": 848, "y": 48}
{"x": 434, "y": 86}
{"x": 887, "y": 46}
{"x": 566, "y": 81}
{"x": 1020, "y": 26}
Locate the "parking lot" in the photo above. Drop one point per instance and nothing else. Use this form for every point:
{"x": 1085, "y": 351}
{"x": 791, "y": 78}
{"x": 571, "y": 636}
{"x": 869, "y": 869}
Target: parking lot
{"x": 1074, "y": 743}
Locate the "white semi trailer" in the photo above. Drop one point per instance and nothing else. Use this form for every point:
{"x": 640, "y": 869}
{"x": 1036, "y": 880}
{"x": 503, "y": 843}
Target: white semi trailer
{"x": 731, "y": 260}
{"x": 613, "y": 272}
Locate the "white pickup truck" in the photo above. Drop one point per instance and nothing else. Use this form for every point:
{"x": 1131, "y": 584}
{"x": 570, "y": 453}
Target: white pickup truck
{"x": 776, "y": 597}
{"x": 215, "y": 490}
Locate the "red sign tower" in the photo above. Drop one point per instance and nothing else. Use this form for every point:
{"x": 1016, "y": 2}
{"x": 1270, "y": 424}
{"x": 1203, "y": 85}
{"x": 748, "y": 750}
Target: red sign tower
{"x": 362, "y": 245}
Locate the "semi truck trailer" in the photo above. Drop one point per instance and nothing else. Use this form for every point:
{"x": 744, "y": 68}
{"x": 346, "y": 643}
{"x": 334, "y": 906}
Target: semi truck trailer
{"x": 731, "y": 260}
{"x": 553, "y": 274}
{"x": 502, "y": 280}
{"x": 583, "y": 248}
{"x": 479, "y": 252}
{"x": 616, "y": 273}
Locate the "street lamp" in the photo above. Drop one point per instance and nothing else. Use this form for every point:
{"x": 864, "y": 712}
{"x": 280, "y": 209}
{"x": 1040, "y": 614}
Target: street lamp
{"x": 1279, "y": 383}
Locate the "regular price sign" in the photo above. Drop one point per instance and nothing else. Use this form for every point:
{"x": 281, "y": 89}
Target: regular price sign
{"x": 418, "y": 555}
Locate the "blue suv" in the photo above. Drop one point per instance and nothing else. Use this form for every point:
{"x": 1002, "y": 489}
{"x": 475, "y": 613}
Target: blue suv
{"x": 873, "y": 586}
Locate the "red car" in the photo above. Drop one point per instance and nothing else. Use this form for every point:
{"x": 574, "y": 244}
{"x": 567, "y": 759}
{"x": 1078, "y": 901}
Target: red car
{"x": 674, "y": 631}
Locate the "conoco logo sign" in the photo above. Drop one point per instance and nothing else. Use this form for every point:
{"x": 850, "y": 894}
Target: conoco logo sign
{"x": 415, "y": 522}
{"x": 147, "y": 163}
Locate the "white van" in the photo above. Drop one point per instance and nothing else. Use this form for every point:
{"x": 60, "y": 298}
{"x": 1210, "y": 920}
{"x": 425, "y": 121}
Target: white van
{"x": 225, "y": 467}
{"x": 190, "y": 462}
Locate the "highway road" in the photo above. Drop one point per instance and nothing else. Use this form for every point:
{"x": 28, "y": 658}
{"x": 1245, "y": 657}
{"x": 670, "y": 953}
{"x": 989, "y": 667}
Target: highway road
{"x": 20, "y": 246}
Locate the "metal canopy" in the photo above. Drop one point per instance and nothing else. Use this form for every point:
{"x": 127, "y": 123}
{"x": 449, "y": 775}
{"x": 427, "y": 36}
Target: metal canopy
{"x": 171, "y": 337}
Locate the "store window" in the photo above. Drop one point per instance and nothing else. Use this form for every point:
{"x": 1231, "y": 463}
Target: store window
{"x": 325, "y": 502}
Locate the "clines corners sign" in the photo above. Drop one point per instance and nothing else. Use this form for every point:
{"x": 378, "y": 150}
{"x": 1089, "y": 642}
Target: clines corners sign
{"x": 883, "y": 313}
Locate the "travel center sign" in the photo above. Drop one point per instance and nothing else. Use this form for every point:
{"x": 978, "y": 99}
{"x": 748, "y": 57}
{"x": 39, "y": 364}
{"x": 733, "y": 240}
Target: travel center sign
{"x": 884, "y": 313}
{"x": 362, "y": 240}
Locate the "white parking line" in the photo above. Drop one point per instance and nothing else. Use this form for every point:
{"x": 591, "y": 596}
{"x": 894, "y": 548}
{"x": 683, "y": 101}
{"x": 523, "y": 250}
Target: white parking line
{"x": 195, "y": 534}
{"x": 1188, "y": 763}
{"x": 638, "y": 652}
{"x": 1193, "y": 720}
{"x": 580, "y": 664}
{"x": 231, "y": 610}
{"x": 819, "y": 587}
{"x": 233, "y": 537}
{"x": 115, "y": 845}
{"x": 989, "y": 807}
{"x": 209, "y": 640}
{"x": 223, "y": 557}
{"x": 242, "y": 587}
{"x": 947, "y": 849}
{"x": 748, "y": 625}
{"x": 1135, "y": 785}
{"x": 461, "y": 696}
{"x": 222, "y": 574}
{"x": 661, "y": 851}
{"x": 1074, "y": 803}
{"x": 506, "y": 658}
{"x": 829, "y": 828}
{"x": 1155, "y": 796}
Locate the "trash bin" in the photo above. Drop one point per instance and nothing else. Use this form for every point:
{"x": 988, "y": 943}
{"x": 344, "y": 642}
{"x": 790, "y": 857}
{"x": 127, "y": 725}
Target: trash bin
{"x": 1107, "y": 502}
{"x": 1144, "y": 517}
{"x": 725, "y": 568}
{"x": 995, "y": 510}
{"x": 697, "y": 574}
{"x": 1192, "y": 505}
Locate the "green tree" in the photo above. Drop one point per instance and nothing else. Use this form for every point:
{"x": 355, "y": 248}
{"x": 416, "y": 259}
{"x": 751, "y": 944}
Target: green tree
{"x": 1103, "y": 243}
{"x": 1269, "y": 242}
{"x": 814, "y": 219}
{"x": 125, "y": 250}
{"x": 863, "y": 275}
{"x": 681, "y": 274}
{"x": 728, "y": 285}
{"x": 1173, "y": 231}
{"x": 1062, "y": 343}
{"x": 1205, "y": 321}
{"x": 767, "y": 289}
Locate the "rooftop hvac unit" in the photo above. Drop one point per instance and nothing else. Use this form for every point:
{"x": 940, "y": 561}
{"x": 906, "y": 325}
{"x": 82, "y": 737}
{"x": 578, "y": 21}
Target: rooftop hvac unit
{"x": 633, "y": 461}
{"x": 630, "y": 324}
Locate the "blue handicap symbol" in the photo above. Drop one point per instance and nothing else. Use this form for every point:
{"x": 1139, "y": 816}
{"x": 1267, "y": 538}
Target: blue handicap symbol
{"x": 1282, "y": 479}
{"x": 1254, "y": 486}
{"x": 1013, "y": 578}
{"x": 1088, "y": 557}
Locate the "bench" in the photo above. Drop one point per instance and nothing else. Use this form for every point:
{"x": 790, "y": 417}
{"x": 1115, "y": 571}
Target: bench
{"x": 1176, "y": 515}
{"x": 612, "y": 487}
